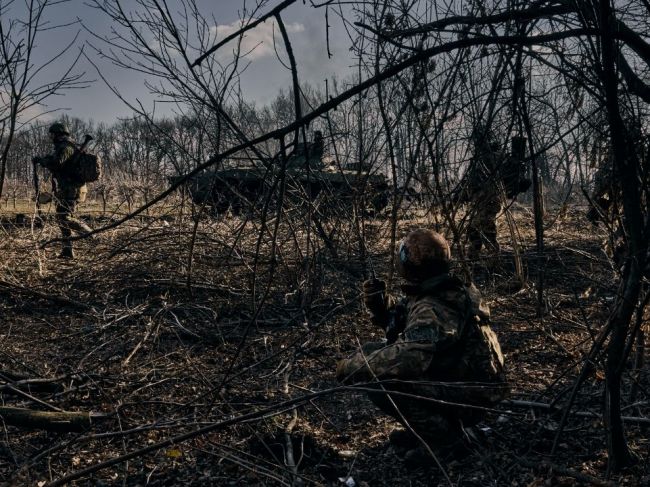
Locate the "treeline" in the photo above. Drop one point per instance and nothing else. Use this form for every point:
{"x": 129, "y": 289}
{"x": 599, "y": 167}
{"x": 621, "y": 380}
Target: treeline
{"x": 426, "y": 149}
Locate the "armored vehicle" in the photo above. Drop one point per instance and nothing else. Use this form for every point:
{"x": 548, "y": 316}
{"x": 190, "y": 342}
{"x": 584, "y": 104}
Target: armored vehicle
{"x": 309, "y": 176}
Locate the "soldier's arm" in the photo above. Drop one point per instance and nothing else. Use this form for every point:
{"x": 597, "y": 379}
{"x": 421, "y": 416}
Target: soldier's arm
{"x": 44, "y": 161}
{"x": 433, "y": 327}
{"x": 57, "y": 160}
{"x": 378, "y": 302}
{"x": 379, "y": 306}
{"x": 438, "y": 323}
{"x": 400, "y": 361}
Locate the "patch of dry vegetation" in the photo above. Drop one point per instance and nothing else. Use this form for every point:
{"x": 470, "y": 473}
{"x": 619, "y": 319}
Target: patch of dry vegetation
{"x": 166, "y": 347}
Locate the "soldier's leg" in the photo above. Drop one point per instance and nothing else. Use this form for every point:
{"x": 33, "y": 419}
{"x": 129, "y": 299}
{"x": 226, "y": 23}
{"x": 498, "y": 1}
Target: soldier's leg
{"x": 371, "y": 347}
{"x": 356, "y": 367}
{"x": 617, "y": 249}
{"x": 74, "y": 223}
{"x": 489, "y": 212}
{"x": 403, "y": 391}
{"x": 474, "y": 237}
{"x": 79, "y": 226}
{"x": 376, "y": 360}
{"x": 434, "y": 409}
{"x": 430, "y": 420}
{"x": 63, "y": 211}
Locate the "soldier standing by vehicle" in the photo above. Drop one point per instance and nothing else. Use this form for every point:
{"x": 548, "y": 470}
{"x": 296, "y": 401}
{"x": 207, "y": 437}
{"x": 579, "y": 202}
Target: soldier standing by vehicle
{"x": 69, "y": 190}
{"x": 442, "y": 359}
{"x": 492, "y": 175}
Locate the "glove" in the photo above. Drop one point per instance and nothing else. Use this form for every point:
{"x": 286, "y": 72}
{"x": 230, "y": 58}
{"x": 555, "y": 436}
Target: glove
{"x": 374, "y": 294}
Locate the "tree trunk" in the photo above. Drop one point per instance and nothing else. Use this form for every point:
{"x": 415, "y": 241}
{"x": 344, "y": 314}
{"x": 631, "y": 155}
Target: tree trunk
{"x": 626, "y": 170}
{"x": 619, "y": 453}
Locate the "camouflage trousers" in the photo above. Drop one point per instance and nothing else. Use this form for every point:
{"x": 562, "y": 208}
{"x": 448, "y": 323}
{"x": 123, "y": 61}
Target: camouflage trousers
{"x": 436, "y": 410}
{"x": 482, "y": 226}
{"x": 65, "y": 210}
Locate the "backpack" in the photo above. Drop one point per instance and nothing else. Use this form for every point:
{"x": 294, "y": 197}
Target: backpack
{"x": 87, "y": 167}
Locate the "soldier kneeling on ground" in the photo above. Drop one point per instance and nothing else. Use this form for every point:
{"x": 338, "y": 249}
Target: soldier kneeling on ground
{"x": 441, "y": 364}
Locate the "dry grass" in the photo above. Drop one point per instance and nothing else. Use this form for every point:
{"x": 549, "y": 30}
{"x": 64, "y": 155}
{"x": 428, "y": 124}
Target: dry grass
{"x": 132, "y": 329}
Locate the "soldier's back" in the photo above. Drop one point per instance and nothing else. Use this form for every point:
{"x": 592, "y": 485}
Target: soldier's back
{"x": 474, "y": 352}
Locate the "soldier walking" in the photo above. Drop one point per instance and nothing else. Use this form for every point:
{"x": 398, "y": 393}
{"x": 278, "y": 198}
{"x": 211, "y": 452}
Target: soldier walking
{"x": 69, "y": 191}
{"x": 493, "y": 175}
{"x": 441, "y": 360}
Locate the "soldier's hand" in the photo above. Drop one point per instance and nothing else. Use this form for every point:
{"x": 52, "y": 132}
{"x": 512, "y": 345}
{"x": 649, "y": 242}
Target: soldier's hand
{"x": 374, "y": 291}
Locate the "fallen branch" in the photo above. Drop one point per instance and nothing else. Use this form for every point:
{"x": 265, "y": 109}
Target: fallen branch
{"x": 553, "y": 409}
{"x": 270, "y": 411}
{"x": 9, "y": 380}
{"x": 61, "y": 421}
{"x": 566, "y": 472}
{"x": 49, "y": 297}
{"x": 13, "y": 390}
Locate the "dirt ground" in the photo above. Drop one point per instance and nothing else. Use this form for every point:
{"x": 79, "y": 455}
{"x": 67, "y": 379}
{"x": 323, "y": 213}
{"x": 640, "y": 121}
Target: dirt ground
{"x": 168, "y": 328}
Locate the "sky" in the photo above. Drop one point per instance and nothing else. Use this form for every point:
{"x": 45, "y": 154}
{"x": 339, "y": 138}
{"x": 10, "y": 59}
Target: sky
{"x": 261, "y": 81}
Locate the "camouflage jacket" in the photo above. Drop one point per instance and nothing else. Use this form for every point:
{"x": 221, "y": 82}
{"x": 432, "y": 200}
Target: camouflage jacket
{"x": 491, "y": 168}
{"x": 483, "y": 171}
{"x": 67, "y": 188}
{"x": 451, "y": 321}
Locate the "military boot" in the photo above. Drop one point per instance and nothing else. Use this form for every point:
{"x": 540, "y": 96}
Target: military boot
{"x": 475, "y": 241}
{"x": 491, "y": 244}
{"x": 66, "y": 253}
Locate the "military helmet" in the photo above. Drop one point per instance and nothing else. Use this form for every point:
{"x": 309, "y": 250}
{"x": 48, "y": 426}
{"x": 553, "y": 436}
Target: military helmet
{"x": 59, "y": 129}
{"x": 423, "y": 254}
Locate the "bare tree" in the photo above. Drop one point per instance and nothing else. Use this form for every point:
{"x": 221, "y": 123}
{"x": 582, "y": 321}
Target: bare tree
{"x": 427, "y": 73}
{"x": 23, "y": 91}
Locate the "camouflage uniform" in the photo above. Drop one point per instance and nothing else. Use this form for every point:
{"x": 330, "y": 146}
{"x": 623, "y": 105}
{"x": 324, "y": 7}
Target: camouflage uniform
{"x": 485, "y": 199}
{"x": 490, "y": 174}
{"x": 447, "y": 352}
{"x": 69, "y": 192}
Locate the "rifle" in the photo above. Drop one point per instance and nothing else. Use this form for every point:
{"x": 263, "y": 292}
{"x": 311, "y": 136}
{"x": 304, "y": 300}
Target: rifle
{"x": 87, "y": 139}
{"x": 71, "y": 167}
{"x": 39, "y": 197}
{"x": 396, "y": 322}
{"x": 37, "y": 186}
{"x": 396, "y": 315}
